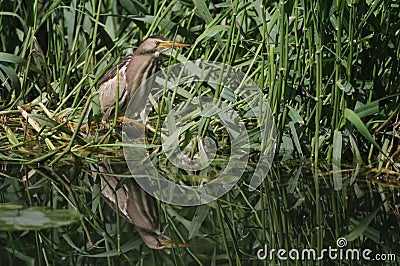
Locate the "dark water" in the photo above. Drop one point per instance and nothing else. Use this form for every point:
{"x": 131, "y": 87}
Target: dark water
{"x": 57, "y": 215}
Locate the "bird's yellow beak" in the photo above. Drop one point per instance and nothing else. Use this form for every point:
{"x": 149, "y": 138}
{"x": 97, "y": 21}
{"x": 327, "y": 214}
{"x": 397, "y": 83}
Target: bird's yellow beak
{"x": 169, "y": 44}
{"x": 170, "y": 244}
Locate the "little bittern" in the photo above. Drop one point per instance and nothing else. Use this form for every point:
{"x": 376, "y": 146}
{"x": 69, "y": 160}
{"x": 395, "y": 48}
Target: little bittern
{"x": 133, "y": 70}
{"x": 133, "y": 203}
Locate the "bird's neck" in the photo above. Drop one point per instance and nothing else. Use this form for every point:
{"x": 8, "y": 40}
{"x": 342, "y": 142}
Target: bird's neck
{"x": 155, "y": 54}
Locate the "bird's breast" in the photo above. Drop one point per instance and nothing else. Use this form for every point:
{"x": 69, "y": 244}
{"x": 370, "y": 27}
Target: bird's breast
{"x": 138, "y": 72}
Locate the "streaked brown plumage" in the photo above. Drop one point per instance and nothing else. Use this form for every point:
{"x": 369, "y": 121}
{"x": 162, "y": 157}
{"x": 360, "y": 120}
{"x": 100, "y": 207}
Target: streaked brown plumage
{"x": 133, "y": 70}
{"x": 134, "y": 204}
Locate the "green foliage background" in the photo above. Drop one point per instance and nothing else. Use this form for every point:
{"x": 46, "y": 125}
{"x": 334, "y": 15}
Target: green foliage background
{"x": 314, "y": 59}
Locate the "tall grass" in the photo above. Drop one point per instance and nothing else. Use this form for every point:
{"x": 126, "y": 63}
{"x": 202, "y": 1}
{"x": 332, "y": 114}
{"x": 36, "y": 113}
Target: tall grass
{"x": 314, "y": 60}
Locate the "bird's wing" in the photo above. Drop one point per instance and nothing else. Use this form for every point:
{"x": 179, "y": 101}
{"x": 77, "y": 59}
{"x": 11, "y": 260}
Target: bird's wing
{"x": 108, "y": 85}
{"x": 111, "y": 73}
{"x": 114, "y": 197}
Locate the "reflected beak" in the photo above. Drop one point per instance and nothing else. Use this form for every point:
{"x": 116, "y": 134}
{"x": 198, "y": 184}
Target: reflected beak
{"x": 169, "y": 44}
{"x": 170, "y": 244}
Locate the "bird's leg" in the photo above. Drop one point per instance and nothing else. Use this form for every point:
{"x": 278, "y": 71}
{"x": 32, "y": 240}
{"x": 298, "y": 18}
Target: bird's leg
{"x": 124, "y": 119}
{"x": 144, "y": 117}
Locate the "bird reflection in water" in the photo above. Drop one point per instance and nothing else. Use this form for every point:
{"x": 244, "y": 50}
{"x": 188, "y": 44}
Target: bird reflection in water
{"x": 134, "y": 204}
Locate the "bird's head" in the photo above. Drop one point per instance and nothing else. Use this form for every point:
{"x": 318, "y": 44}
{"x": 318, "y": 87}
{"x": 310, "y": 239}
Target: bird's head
{"x": 156, "y": 45}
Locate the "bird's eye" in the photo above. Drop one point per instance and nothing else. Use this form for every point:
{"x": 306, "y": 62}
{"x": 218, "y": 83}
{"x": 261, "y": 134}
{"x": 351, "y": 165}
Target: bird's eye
{"x": 157, "y": 43}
